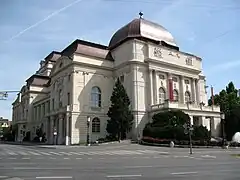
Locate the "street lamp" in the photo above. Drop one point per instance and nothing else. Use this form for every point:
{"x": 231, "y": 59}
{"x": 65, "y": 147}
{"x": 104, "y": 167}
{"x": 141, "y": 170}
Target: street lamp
{"x": 88, "y": 125}
{"x": 222, "y": 115}
{"x": 188, "y": 129}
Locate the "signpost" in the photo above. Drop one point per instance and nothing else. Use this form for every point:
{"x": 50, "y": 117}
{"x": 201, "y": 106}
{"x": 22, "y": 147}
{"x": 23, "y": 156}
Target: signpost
{"x": 188, "y": 130}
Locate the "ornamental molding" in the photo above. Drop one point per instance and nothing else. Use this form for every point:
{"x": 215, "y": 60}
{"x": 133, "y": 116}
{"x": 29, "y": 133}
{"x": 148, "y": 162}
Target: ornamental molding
{"x": 157, "y": 52}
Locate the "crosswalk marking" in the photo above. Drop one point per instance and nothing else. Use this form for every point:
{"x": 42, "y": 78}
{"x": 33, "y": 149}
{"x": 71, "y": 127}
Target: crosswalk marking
{"x": 11, "y": 153}
{"x": 45, "y": 153}
{"x": 34, "y": 153}
{"x": 58, "y": 154}
{"x": 27, "y": 152}
{"x": 22, "y": 153}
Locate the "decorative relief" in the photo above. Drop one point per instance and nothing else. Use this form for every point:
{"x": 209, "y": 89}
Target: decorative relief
{"x": 186, "y": 81}
{"x": 161, "y": 77}
{"x": 173, "y": 54}
{"x": 161, "y": 83}
{"x": 157, "y": 52}
{"x": 189, "y": 61}
{"x": 187, "y": 87}
{"x": 175, "y": 86}
{"x": 175, "y": 79}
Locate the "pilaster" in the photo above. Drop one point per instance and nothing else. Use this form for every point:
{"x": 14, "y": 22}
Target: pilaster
{"x": 151, "y": 87}
{"x": 181, "y": 90}
{"x": 197, "y": 91}
{"x": 156, "y": 87}
{"x": 193, "y": 89}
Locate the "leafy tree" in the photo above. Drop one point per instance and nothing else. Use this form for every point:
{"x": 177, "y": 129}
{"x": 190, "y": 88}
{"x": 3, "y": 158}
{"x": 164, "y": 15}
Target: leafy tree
{"x": 120, "y": 115}
{"x": 229, "y": 103}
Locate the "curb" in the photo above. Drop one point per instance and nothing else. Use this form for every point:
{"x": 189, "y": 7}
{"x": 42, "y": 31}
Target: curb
{"x": 180, "y": 146}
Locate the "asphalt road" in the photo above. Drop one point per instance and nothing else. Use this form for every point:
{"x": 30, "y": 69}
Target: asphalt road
{"x": 115, "y": 162}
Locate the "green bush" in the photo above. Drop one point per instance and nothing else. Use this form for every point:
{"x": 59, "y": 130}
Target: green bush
{"x": 169, "y": 125}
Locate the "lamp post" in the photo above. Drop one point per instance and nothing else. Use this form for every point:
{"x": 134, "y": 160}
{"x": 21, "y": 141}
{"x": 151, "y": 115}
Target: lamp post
{"x": 88, "y": 125}
{"x": 222, "y": 115}
{"x": 188, "y": 130}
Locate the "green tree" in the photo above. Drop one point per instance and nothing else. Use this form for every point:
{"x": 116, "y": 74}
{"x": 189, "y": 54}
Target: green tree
{"x": 229, "y": 103}
{"x": 120, "y": 115}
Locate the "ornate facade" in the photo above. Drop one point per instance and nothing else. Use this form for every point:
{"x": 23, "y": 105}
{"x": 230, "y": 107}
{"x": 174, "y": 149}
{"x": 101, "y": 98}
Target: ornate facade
{"x": 75, "y": 85}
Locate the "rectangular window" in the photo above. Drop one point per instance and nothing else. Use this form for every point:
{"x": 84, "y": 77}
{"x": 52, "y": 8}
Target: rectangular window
{"x": 44, "y": 109}
{"x": 68, "y": 98}
{"x": 122, "y": 79}
{"x": 53, "y": 104}
{"x": 48, "y": 106}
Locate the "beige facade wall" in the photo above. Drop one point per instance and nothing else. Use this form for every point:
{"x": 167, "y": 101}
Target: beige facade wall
{"x": 142, "y": 67}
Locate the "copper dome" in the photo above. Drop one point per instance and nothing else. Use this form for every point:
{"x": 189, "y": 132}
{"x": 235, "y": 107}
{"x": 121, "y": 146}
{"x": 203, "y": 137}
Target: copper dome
{"x": 141, "y": 28}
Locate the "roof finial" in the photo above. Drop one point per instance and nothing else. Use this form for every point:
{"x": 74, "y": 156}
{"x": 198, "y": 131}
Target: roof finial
{"x": 141, "y": 14}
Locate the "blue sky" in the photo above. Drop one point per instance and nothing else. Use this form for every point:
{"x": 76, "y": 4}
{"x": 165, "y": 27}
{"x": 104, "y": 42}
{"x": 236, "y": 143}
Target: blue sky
{"x": 30, "y": 30}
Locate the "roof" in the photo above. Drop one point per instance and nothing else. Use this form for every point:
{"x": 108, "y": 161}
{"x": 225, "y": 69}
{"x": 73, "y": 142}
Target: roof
{"x": 87, "y": 48}
{"x": 53, "y": 56}
{"x": 141, "y": 28}
{"x": 38, "y": 80}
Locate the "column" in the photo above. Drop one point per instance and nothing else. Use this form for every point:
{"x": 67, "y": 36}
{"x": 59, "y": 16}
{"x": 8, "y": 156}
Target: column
{"x": 67, "y": 129}
{"x": 191, "y": 119}
{"x": 181, "y": 90}
{"x": 156, "y": 101}
{"x": 151, "y": 86}
{"x": 170, "y": 87}
{"x": 60, "y": 127}
{"x": 197, "y": 91}
{"x": 51, "y": 127}
{"x": 193, "y": 89}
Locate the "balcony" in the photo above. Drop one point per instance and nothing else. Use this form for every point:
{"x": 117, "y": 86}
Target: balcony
{"x": 180, "y": 106}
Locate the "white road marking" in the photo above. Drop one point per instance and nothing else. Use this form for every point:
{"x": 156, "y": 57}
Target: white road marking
{"x": 65, "y": 158}
{"x": 55, "y": 177}
{"x": 183, "y": 173}
{"x": 76, "y": 153}
{"x": 1, "y": 177}
{"x": 138, "y": 167}
{"x": 78, "y": 158}
{"x": 11, "y": 153}
{"x": 40, "y": 168}
{"x": 55, "y": 153}
{"x": 25, "y": 158}
{"x": 124, "y": 176}
{"x": 44, "y": 153}
{"x": 34, "y": 153}
{"x": 208, "y": 156}
{"x": 22, "y": 153}
{"x": 65, "y": 153}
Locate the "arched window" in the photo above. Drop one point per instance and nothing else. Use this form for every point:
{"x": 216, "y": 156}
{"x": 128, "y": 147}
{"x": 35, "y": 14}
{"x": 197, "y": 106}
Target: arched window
{"x": 175, "y": 95}
{"x": 162, "y": 95}
{"x": 187, "y": 97}
{"x": 96, "y": 125}
{"x": 96, "y": 97}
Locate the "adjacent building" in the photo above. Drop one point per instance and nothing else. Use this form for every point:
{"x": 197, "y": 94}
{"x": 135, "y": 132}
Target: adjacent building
{"x": 74, "y": 86}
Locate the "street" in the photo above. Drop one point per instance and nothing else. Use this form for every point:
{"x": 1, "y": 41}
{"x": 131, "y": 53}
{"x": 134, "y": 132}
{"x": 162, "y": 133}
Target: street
{"x": 129, "y": 161}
